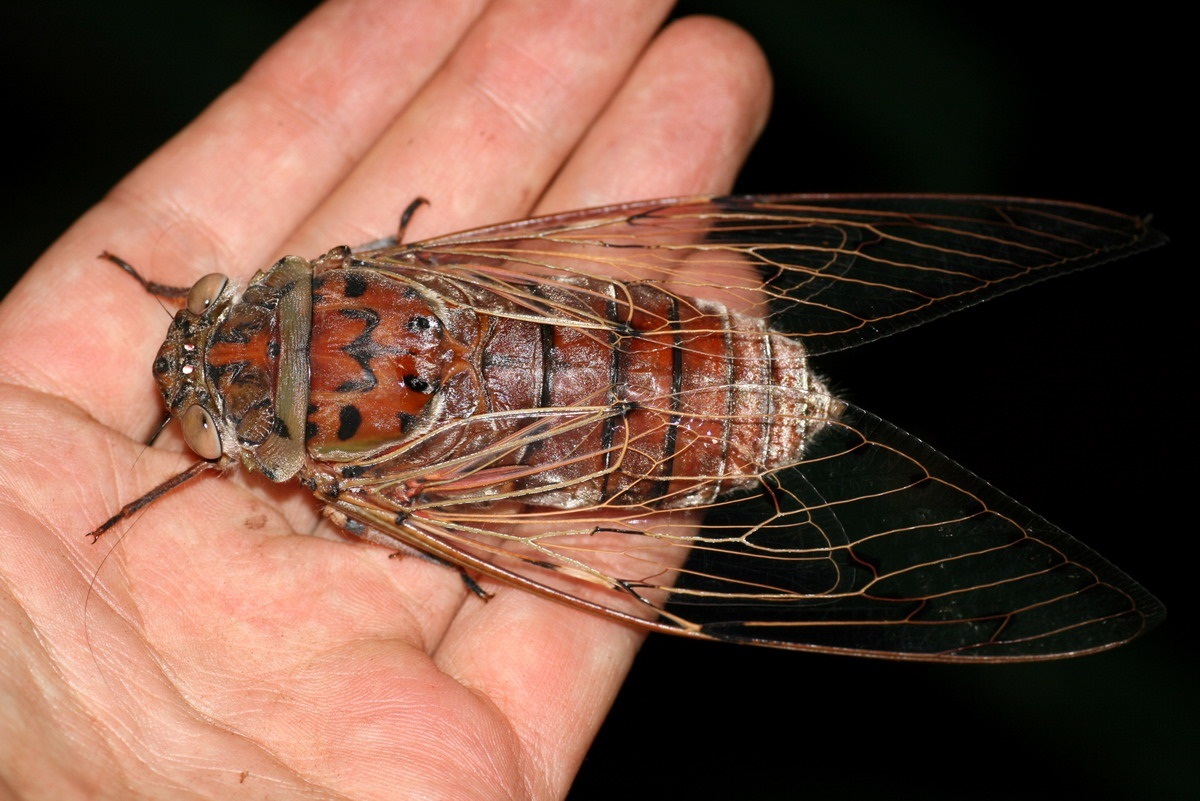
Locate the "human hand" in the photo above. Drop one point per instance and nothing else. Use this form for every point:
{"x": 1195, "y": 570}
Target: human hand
{"x": 214, "y": 647}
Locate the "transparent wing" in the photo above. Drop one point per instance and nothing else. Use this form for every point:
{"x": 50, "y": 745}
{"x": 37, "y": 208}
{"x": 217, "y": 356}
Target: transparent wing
{"x": 833, "y": 270}
{"x": 868, "y": 541}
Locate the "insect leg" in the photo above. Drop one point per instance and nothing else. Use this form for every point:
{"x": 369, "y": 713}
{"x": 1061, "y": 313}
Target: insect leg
{"x": 407, "y": 216}
{"x": 362, "y": 531}
{"x": 470, "y": 582}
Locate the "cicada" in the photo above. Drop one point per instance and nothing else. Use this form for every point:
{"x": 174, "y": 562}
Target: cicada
{"x": 616, "y": 408}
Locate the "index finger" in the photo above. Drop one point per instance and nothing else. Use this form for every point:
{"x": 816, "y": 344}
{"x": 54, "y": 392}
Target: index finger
{"x": 224, "y": 192}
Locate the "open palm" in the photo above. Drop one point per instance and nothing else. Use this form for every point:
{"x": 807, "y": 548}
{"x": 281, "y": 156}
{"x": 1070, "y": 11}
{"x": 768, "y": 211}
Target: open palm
{"x": 213, "y": 647}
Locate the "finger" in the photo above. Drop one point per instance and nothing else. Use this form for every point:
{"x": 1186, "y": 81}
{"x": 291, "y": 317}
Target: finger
{"x": 220, "y": 195}
{"x": 482, "y": 140}
{"x": 551, "y": 670}
{"x": 515, "y": 48}
{"x": 493, "y": 127}
{"x": 681, "y": 125}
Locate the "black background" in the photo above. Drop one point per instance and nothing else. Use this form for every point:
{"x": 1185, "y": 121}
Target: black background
{"x": 1073, "y": 396}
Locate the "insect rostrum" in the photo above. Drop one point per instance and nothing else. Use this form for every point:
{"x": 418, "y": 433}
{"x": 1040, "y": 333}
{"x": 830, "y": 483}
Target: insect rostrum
{"x": 635, "y": 381}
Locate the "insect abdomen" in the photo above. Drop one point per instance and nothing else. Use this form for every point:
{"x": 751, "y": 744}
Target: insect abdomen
{"x": 692, "y": 401}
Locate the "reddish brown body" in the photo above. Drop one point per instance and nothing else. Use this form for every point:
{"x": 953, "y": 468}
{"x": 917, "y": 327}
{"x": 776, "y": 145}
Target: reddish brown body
{"x": 671, "y": 402}
{"x": 563, "y": 367}
{"x": 427, "y": 389}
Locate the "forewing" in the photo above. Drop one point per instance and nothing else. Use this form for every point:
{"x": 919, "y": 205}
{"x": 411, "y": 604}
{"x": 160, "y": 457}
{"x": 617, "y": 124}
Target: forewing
{"x": 833, "y": 270}
{"x": 872, "y": 544}
{"x": 868, "y": 542}
{"x": 883, "y": 545}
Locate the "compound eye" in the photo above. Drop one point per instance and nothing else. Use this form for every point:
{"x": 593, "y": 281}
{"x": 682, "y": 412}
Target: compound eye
{"x": 200, "y": 433}
{"x": 204, "y": 292}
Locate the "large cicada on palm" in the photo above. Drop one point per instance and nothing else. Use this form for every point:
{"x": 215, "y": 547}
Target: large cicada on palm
{"x": 615, "y": 408}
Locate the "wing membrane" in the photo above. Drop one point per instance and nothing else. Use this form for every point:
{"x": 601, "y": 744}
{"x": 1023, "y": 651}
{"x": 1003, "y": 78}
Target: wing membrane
{"x": 834, "y": 270}
{"x": 869, "y": 542}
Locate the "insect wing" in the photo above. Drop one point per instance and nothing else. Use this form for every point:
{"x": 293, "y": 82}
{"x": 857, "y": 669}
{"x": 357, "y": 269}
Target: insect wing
{"x": 868, "y": 541}
{"x": 910, "y": 555}
{"x": 832, "y": 270}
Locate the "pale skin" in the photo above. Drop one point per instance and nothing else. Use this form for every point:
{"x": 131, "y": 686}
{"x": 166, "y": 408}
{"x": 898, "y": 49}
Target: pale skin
{"x": 211, "y": 643}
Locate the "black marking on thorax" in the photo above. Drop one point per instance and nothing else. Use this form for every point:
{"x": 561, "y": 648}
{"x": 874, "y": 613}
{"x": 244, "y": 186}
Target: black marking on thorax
{"x": 355, "y": 284}
{"x": 363, "y": 349}
{"x": 349, "y": 420}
